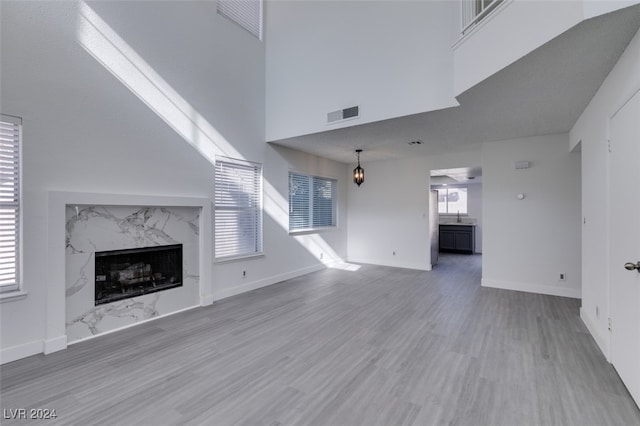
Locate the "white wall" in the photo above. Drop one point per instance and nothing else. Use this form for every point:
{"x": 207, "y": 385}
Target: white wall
{"x": 526, "y": 244}
{"x": 142, "y": 119}
{"x": 516, "y": 29}
{"x": 591, "y": 130}
{"x": 389, "y": 212}
{"x": 594, "y": 8}
{"x": 392, "y": 58}
{"x": 529, "y": 242}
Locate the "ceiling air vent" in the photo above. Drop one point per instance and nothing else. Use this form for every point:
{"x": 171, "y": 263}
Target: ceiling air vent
{"x": 343, "y": 114}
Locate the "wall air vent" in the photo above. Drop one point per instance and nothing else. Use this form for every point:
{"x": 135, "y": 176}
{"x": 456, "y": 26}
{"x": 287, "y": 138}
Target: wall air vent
{"x": 343, "y": 114}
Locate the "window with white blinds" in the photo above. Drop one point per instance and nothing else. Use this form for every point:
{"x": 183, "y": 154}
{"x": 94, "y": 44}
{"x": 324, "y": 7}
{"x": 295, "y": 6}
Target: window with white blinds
{"x": 312, "y": 202}
{"x": 246, "y": 13}
{"x": 238, "y": 209}
{"x": 10, "y": 129}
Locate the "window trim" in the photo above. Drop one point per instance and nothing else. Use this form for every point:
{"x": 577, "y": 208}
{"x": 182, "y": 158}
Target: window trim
{"x": 15, "y": 291}
{"x": 447, "y": 188}
{"x": 317, "y": 229}
{"x": 476, "y": 18}
{"x": 260, "y": 211}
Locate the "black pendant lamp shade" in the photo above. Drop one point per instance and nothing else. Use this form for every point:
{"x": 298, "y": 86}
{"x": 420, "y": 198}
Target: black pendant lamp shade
{"x": 358, "y": 172}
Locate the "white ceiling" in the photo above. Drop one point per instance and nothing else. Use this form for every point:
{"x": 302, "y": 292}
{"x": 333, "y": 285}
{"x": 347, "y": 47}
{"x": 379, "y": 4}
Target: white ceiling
{"x": 542, "y": 93}
{"x": 466, "y": 175}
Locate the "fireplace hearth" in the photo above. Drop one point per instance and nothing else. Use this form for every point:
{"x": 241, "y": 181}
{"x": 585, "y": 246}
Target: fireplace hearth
{"x": 122, "y": 274}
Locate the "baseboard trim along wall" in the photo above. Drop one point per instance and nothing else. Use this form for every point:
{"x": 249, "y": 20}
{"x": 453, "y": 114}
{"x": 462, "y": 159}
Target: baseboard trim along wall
{"x": 15, "y": 353}
{"x": 54, "y": 345}
{"x": 550, "y": 290}
{"x": 407, "y": 265}
{"x": 601, "y": 340}
{"x": 254, "y": 285}
{"x": 206, "y": 299}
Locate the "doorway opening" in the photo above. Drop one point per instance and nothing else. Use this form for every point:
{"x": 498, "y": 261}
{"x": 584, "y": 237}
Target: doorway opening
{"x": 455, "y": 211}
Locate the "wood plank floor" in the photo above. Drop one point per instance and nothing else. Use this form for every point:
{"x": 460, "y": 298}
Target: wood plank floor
{"x": 380, "y": 346}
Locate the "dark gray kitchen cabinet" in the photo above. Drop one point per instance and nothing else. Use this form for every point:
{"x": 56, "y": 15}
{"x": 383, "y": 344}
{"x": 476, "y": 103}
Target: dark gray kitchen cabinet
{"x": 457, "y": 238}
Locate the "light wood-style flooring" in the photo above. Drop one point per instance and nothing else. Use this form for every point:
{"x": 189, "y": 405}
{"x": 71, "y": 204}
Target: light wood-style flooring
{"x": 380, "y": 346}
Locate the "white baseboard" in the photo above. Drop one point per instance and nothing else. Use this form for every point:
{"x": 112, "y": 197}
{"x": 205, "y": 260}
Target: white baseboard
{"x": 54, "y": 345}
{"x": 15, "y": 353}
{"x": 406, "y": 265}
{"x": 551, "y": 290}
{"x": 254, "y": 285}
{"x": 206, "y": 299}
{"x": 601, "y": 341}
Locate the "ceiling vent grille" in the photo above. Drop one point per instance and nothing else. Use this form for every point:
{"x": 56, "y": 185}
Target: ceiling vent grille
{"x": 343, "y": 114}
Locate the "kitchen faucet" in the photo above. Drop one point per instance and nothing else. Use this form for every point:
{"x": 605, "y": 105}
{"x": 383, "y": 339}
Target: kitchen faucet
{"x": 459, "y": 220}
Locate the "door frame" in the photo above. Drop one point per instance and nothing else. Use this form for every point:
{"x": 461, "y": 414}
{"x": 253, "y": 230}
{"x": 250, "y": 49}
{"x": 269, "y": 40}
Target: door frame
{"x": 625, "y": 100}
{"x": 608, "y": 266}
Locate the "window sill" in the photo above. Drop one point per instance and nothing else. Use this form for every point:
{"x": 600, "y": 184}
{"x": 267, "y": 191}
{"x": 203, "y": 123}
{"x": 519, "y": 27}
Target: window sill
{"x": 12, "y": 296}
{"x": 238, "y": 258}
{"x": 312, "y": 230}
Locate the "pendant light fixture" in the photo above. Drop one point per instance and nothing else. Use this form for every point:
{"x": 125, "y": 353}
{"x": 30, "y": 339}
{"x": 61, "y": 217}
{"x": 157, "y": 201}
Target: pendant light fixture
{"x": 358, "y": 172}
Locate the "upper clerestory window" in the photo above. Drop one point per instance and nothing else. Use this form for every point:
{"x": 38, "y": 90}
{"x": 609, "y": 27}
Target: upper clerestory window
{"x": 474, "y": 11}
{"x": 246, "y": 13}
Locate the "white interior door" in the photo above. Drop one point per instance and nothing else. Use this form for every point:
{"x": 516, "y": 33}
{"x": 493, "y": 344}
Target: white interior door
{"x": 625, "y": 244}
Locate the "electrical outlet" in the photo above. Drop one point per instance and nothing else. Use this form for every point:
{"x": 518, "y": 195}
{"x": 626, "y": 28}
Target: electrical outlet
{"x": 321, "y": 256}
{"x": 597, "y": 312}
{"x": 563, "y": 276}
{"x": 244, "y": 274}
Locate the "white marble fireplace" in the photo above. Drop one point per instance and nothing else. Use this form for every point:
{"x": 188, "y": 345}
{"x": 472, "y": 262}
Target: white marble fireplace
{"x": 82, "y": 224}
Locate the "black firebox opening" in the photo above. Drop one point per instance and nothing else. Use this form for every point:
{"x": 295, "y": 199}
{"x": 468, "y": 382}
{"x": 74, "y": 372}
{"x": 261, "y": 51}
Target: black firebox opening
{"x": 121, "y": 274}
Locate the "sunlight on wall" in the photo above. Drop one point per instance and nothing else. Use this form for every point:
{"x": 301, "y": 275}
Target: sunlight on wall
{"x": 110, "y": 50}
{"x": 278, "y": 208}
{"x": 113, "y": 53}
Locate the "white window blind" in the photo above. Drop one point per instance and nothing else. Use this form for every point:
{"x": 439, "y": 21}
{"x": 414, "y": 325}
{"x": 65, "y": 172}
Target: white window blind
{"x": 246, "y": 13}
{"x": 10, "y": 129}
{"x": 238, "y": 208}
{"x": 312, "y": 202}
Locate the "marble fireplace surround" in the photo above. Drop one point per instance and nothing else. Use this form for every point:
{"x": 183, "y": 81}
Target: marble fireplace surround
{"x": 56, "y": 301}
